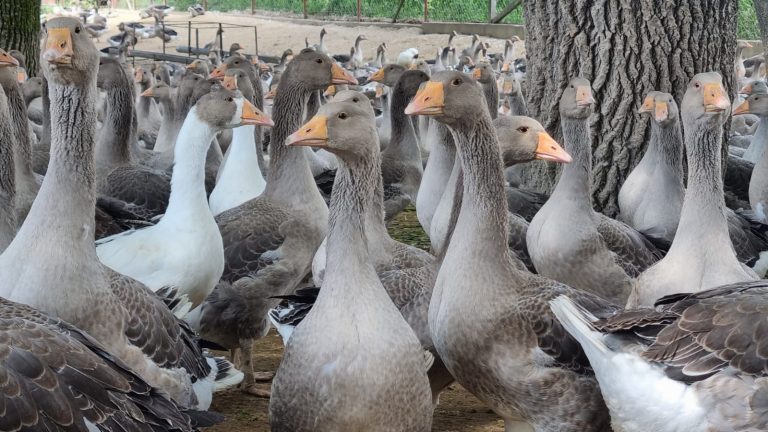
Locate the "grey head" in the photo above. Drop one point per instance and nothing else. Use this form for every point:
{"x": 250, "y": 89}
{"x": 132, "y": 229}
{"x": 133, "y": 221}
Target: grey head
{"x": 421, "y": 64}
{"x": 451, "y": 97}
{"x": 142, "y": 76}
{"x": 759, "y": 86}
{"x": 359, "y": 38}
{"x": 484, "y": 73}
{"x": 236, "y": 79}
{"x": 355, "y": 97}
{"x": 222, "y": 108}
{"x": 323, "y": 32}
{"x": 111, "y": 73}
{"x": 661, "y": 107}
{"x": 19, "y": 56}
{"x": 509, "y": 85}
{"x": 346, "y": 129}
{"x": 32, "y": 88}
{"x": 388, "y": 74}
{"x": 577, "y": 101}
{"x": 705, "y": 100}
{"x": 199, "y": 66}
{"x": 756, "y": 103}
{"x": 159, "y": 90}
{"x": 315, "y": 71}
{"x": 162, "y": 73}
{"x": 409, "y": 83}
{"x": 68, "y": 55}
{"x": 523, "y": 139}
{"x": 234, "y": 62}
{"x": 8, "y": 65}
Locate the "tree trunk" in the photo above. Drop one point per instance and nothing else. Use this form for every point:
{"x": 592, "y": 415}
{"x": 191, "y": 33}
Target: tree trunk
{"x": 20, "y": 29}
{"x": 626, "y": 48}
{"x": 761, "y": 10}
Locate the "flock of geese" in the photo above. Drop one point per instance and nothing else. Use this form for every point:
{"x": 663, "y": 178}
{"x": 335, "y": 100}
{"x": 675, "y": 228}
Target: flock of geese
{"x": 161, "y": 227}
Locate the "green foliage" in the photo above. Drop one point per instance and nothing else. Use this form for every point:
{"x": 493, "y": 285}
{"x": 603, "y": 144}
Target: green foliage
{"x": 748, "y": 28}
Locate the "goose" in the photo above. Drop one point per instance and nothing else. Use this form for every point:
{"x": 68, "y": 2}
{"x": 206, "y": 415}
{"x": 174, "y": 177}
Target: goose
{"x": 584, "y": 260}
{"x": 708, "y": 258}
{"x": 435, "y": 178}
{"x": 692, "y": 363}
{"x": 510, "y": 89}
{"x": 27, "y": 183}
{"x": 200, "y": 67}
{"x": 196, "y": 10}
{"x": 321, "y": 48}
{"x": 147, "y": 111}
{"x": 184, "y": 249}
{"x": 388, "y": 76}
{"x": 381, "y": 56}
{"x": 739, "y": 71}
{"x": 332, "y": 353}
{"x": 56, "y": 240}
{"x": 240, "y": 177}
{"x": 53, "y": 368}
{"x": 484, "y": 74}
{"x": 406, "y": 57}
{"x": 470, "y": 50}
{"x": 270, "y": 240}
{"x": 146, "y": 190}
{"x": 517, "y": 358}
{"x": 401, "y": 162}
{"x": 8, "y": 223}
{"x": 96, "y": 30}
{"x": 757, "y": 145}
{"x": 758, "y": 184}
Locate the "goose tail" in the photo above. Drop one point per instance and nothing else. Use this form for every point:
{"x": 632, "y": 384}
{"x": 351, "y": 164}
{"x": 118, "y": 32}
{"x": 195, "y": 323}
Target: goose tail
{"x": 578, "y": 322}
{"x": 224, "y": 373}
{"x": 178, "y": 303}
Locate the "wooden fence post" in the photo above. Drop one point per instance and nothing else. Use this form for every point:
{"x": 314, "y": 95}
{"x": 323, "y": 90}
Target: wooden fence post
{"x": 426, "y": 10}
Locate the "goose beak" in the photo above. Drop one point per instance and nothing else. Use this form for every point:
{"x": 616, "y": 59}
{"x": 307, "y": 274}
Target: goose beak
{"x": 548, "y": 149}
{"x": 377, "y": 76}
{"x": 21, "y": 76}
{"x": 58, "y": 47}
{"x": 747, "y": 89}
{"x": 330, "y": 91}
{"x": 584, "y": 96}
{"x": 661, "y": 111}
{"x": 7, "y": 59}
{"x": 715, "y": 99}
{"x": 647, "y": 105}
{"x": 506, "y": 87}
{"x": 230, "y": 82}
{"x": 138, "y": 74}
{"x": 505, "y": 67}
{"x": 341, "y": 76}
{"x": 218, "y": 73}
{"x": 476, "y": 73}
{"x": 148, "y": 92}
{"x": 313, "y": 134}
{"x": 190, "y": 66}
{"x": 263, "y": 67}
{"x": 254, "y": 116}
{"x": 271, "y": 94}
{"x": 379, "y": 91}
{"x": 429, "y": 100}
{"x": 743, "y": 108}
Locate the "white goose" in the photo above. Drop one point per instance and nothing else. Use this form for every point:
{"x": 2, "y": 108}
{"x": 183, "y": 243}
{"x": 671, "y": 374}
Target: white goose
{"x": 184, "y": 251}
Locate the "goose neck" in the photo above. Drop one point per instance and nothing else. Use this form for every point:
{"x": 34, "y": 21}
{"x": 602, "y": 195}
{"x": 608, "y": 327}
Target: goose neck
{"x": 575, "y": 177}
{"x": 188, "y": 198}
{"x": 705, "y": 184}
{"x": 491, "y": 92}
{"x": 7, "y": 177}
{"x": 113, "y": 146}
{"x": 20, "y": 130}
{"x": 403, "y": 142}
{"x": 666, "y": 146}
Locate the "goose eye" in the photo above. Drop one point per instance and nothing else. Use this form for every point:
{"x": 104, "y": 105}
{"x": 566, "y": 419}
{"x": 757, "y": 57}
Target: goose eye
{"x": 697, "y": 85}
{"x": 318, "y": 61}
{"x": 77, "y": 29}
{"x": 355, "y": 100}
{"x": 343, "y": 116}
{"x": 456, "y": 82}
{"x": 523, "y": 129}
{"x": 229, "y": 99}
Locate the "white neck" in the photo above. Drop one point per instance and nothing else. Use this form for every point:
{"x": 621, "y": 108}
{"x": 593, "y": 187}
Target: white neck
{"x": 188, "y": 199}
{"x": 241, "y": 178}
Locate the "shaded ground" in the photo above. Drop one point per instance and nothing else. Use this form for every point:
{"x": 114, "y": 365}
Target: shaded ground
{"x": 458, "y": 410}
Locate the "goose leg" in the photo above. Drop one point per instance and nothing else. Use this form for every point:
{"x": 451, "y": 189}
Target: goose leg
{"x": 249, "y": 380}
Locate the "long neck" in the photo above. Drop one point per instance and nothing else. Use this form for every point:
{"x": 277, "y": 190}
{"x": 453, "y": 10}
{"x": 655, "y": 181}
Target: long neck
{"x": 574, "y": 181}
{"x": 18, "y": 111}
{"x": 7, "y": 177}
{"x": 188, "y": 198}
{"x": 113, "y": 147}
{"x": 517, "y": 105}
{"x": 144, "y": 104}
{"x": 68, "y": 191}
{"x": 403, "y": 142}
{"x": 375, "y": 226}
{"x": 45, "y": 140}
{"x": 491, "y": 92}
{"x": 168, "y": 128}
{"x": 666, "y": 147}
{"x": 704, "y": 197}
{"x": 289, "y": 180}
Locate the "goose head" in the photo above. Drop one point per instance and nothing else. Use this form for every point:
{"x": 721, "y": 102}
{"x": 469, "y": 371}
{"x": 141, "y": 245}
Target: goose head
{"x": 705, "y": 99}
{"x": 141, "y": 76}
{"x": 8, "y": 65}
{"x": 661, "y": 107}
{"x": 484, "y": 73}
{"x": 509, "y": 85}
{"x": 756, "y": 103}
{"x": 198, "y": 66}
{"x": 68, "y": 54}
{"x": 388, "y": 75}
{"x": 159, "y": 90}
{"x": 420, "y": 65}
{"x": 233, "y": 62}
{"x": 523, "y": 139}
{"x": 236, "y": 79}
{"x": 577, "y": 101}
{"x": 316, "y": 71}
{"x": 355, "y": 97}
{"x": 450, "y": 96}
{"x": 110, "y": 72}
{"x": 338, "y": 128}
{"x": 222, "y": 108}
{"x": 754, "y": 87}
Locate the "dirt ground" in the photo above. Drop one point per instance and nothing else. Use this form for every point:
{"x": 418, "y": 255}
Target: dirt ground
{"x": 276, "y": 36}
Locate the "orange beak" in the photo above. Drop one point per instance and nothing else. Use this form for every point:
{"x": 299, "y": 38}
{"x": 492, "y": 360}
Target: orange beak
{"x": 138, "y": 74}
{"x": 378, "y": 76}
{"x": 747, "y": 89}
{"x": 21, "y": 76}
{"x": 743, "y": 108}
{"x": 58, "y": 47}
{"x": 429, "y": 100}
{"x": 254, "y": 116}
{"x": 271, "y": 93}
{"x": 330, "y": 91}
{"x": 476, "y": 73}
{"x": 584, "y": 96}
{"x": 647, "y": 105}
{"x": 715, "y": 99}
{"x": 505, "y": 67}
{"x": 218, "y": 73}
{"x": 412, "y": 66}
{"x": 313, "y": 134}
{"x": 7, "y": 59}
{"x": 506, "y": 87}
{"x": 148, "y": 92}
{"x": 661, "y": 111}
{"x": 341, "y": 76}
{"x": 190, "y": 66}
{"x": 548, "y": 149}
{"x": 230, "y": 82}
{"x": 379, "y": 91}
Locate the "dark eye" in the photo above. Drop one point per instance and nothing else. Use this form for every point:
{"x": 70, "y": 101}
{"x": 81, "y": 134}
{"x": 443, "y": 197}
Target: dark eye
{"x": 697, "y": 85}
{"x": 523, "y": 129}
{"x": 77, "y": 29}
{"x": 456, "y": 82}
{"x": 342, "y": 115}
{"x": 318, "y": 61}
{"x": 228, "y": 99}
{"x": 355, "y": 100}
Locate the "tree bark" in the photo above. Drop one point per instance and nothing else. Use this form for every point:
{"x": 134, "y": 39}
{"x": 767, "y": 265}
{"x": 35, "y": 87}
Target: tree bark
{"x": 20, "y": 29}
{"x": 626, "y": 48}
{"x": 761, "y": 10}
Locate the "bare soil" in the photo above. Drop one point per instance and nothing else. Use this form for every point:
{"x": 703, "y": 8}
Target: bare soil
{"x": 276, "y": 35}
